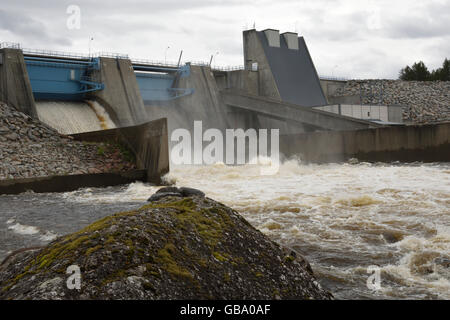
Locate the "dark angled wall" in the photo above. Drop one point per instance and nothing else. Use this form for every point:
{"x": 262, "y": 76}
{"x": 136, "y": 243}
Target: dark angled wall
{"x": 291, "y": 66}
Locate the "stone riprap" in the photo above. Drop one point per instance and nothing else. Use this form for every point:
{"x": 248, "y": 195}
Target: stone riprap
{"x": 176, "y": 247}
{"x": 29, "y": 148}
{"x": 422, "y": 101}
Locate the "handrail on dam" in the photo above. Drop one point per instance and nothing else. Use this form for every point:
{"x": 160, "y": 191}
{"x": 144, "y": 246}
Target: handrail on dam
{"x": 94, "y": 63}
{"x": 73, "y": 55}
{"x": 332, "y": 78}
{"x": 83, "y": 56}
{"x": 9, "y": 45}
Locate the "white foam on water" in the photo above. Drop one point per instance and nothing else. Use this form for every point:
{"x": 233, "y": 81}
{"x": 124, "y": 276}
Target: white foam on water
{"x": 48, "y": 236}
{"x": 134, "y": 192}
{"x": 344, "y": 217}
{"x": 343, "y": 208}
{"x": 26, "y": 230}
{"x": 23, "y": 229}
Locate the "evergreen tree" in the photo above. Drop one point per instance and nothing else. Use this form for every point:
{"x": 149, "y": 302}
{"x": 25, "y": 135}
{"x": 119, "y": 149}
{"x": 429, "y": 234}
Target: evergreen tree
{"x": 407, "y": 74}
{"x": 419, "y": 72}
{"x": 444, "y": 72}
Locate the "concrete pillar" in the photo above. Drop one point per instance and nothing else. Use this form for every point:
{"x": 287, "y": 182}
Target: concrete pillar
{"x": 291, "y": 39}
{"x": 15, "y": 87}
{"x": 121, "y": 95}
{"x": 273, "y": 37}
{"x": 254, "y": 52}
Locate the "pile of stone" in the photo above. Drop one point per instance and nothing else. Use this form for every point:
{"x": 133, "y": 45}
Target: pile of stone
{"x": 29, "y": 148}
{"x": 422, "y": 101}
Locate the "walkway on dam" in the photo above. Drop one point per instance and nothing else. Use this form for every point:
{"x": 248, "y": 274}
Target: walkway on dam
{"x": 291, "y": 112}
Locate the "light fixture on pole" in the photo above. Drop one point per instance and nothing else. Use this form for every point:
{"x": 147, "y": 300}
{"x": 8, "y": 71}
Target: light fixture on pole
{"x": 165, "y": 54}
{"x": 332, "y": 70}
{"x": 212, "y": 57}
{"x": 90, "y": 40}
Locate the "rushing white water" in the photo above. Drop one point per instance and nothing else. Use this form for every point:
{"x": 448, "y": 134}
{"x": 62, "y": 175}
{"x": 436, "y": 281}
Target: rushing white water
{"x": 74, "y": 117}
{"x": 18, "y": 228}
{"x": 343, "y": 218}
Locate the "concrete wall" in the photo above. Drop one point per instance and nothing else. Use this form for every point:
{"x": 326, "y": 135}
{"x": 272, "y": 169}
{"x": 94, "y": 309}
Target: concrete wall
{"x": 372, "y": 112}
{"x": 244, "y": 80}
{"x": 427, "y": 143}
{"x": 70, "y": 182}
{"x": 148, "y": 141}
{"x": 203, "y": 104}
{"x": 329, "y": 87}
{"x": 353, "y": 99}
{"x": 395, "y": 114}
{"x": 207, "y": 104}
{"x": 121, "y": 96}
{"x": 291, "y": 113}
{"x": 15, "y": 87}
{"x": 254, "y": 52}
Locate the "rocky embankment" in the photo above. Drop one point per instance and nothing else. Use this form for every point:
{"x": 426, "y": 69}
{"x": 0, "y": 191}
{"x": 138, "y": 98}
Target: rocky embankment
{"x": 29, "y": 148}
{"x": 422, "y": 101}
{"x": 180, "y": 245}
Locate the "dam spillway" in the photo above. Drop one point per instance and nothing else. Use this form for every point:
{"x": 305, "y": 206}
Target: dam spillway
{"x": 70, "y": 117}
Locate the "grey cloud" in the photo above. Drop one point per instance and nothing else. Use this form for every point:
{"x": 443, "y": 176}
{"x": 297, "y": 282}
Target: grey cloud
{"x": 336, "y": 31}
{"x": 346, "y": 27}
{"x": 134, "y": 7}
{"x": 418, "y": 28}
{"x": 22, "y": 25}
{"x": 431, "y": 20}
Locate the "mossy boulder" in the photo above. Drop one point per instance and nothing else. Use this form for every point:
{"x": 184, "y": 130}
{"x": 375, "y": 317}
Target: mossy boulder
{"x": 173, "y": 248}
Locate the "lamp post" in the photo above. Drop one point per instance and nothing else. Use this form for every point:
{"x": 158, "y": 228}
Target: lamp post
{"x": 212, "y": 57}
{"x": 90, "y": 41}
{"x": 332, "y": 70}
{"x": 165, "y": 54}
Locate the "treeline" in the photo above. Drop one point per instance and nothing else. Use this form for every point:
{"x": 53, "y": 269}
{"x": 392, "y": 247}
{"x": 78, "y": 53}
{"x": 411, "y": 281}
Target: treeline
{"x": 419, "y": 72}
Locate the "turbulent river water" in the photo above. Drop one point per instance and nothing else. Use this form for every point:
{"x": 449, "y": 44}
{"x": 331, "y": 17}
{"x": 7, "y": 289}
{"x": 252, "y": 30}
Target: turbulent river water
{"x": 343, "y": 218}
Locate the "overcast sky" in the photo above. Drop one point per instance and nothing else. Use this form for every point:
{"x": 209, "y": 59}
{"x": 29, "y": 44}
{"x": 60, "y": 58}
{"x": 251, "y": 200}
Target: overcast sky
{"x": 348, "y": 38}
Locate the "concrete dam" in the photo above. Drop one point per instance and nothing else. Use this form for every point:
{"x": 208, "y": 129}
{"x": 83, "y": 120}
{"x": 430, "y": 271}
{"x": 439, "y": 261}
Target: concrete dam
{"x": 277, "y": 88}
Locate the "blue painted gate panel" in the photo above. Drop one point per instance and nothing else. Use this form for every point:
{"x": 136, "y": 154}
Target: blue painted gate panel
{"x": 59, "y": 79}
{"x": 154, "y": 86}
{"x": 55, "y": 83}
{"x": 158, "y": 83}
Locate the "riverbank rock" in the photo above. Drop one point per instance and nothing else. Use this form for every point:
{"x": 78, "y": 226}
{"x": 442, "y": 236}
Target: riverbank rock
{"x": 174, "y": 248}
{"x": 29, "y": 148}
{"x": 175, "y": 191}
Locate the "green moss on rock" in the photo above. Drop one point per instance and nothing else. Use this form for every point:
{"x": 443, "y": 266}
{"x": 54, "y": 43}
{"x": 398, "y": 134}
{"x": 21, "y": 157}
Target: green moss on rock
{"x": 173, "y": 248}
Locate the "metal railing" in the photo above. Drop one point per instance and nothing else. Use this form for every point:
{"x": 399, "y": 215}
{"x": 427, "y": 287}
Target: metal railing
{"x": 110, "y": 55}
{"x": 12, "y": 45}
{"x": 333, "y": 78}
{"x": 228, "y": 68}
{"x": 193, "y": 63}
{"x": 54, "y": 53}
{"x": 75, "y": 55}
{"x": 154, "y": 62}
